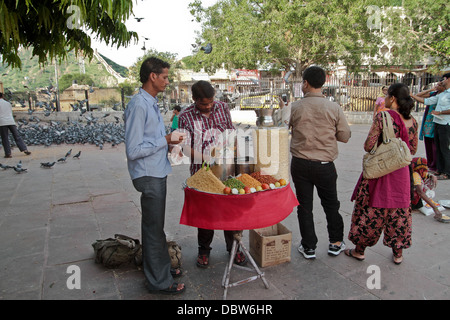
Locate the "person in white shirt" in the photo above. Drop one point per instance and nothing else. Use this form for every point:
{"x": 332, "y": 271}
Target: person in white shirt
{"x": 282, "y": 115}
{"x": 7, "y": 124}
{"x": 442, "y": 131}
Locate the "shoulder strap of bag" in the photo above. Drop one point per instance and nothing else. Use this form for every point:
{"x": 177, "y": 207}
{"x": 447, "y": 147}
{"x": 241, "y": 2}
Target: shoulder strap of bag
{"x": 385, "y": 133}
{"x": 388, "y": 129}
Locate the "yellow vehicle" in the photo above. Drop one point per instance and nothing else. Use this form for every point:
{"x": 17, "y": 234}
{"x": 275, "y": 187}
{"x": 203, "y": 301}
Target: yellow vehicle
{"x": 260, "y": 102}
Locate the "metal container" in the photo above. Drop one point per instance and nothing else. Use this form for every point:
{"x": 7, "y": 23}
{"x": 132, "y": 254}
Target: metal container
{"x": 244, "y": 165}
{"x": 264, "y": 117}
{"x": 223, "y": 170}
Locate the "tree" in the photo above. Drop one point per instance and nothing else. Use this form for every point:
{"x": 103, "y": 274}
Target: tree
{"x": 169, "y": 57}
{"x": 68, "y": 79}
{"x": 286, "y": 34}
{"x": 55, "y": 27}
{"x": 419, "y": 30}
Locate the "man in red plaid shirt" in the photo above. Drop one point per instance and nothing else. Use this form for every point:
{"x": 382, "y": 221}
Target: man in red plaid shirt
{"x": 204, "y": 121}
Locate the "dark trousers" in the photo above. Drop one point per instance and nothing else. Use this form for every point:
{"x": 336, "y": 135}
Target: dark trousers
{"x": 309, "y": 174}
{"x": 430, "y": 150}
{"x": 205, "y": 237}
{"x": 155, "y": 252}
{"x": 442, "y": 139}
{"x": 5, "y": 139}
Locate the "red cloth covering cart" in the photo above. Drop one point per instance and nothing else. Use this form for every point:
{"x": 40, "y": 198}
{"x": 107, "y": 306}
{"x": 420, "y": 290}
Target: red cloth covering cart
{"x": 236, "y": 213}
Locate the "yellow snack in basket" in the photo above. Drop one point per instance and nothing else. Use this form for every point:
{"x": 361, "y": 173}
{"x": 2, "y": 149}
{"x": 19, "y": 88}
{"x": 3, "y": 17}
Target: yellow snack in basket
{"x": 204, "y": 180}
{"x": 248, "y": 181}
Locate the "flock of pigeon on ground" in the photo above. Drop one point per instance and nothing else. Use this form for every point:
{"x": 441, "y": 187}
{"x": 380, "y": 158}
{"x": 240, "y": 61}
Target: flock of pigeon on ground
{"x": 96, "y": 131}
{"x": 19, "y": 168}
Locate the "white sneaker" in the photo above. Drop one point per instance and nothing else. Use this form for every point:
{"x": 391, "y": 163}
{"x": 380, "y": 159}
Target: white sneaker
{"x": 334, "y": 250}
{"x": 307, "y": 253}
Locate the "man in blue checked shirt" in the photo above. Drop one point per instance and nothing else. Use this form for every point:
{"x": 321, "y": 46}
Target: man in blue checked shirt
{"x": 147, "y": 146}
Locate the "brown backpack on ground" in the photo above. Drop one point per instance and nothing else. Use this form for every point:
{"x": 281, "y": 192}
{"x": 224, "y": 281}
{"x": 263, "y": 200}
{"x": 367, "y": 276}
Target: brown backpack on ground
{"x": 123, "y": 250}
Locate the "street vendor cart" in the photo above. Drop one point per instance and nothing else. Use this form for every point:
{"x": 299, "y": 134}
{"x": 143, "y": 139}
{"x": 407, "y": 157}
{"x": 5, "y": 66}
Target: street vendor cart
{"x": 209, "y": 204}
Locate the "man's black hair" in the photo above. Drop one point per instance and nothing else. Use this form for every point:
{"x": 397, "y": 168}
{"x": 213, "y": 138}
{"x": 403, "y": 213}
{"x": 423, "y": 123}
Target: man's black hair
{"x": 152, "y": 65}
{"x": 315, "y": 76}
{"x": 203, "y": 89}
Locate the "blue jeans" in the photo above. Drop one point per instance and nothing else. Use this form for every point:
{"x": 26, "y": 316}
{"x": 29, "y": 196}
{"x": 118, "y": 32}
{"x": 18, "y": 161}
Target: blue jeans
{"x": 306, "y": 175}
{"x": 155, "y": 252}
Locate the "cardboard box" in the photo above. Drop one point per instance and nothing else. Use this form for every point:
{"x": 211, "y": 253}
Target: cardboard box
{"x": 271, "y": 246}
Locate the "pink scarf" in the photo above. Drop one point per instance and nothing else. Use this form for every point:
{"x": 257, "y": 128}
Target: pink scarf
{"x": 392, "y": 190}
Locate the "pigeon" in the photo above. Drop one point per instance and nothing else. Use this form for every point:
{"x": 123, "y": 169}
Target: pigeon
{"x": 47, "y": 164}
{"x": 63, "y": 159}
{"x": 139, "y": 19}
{"x": 4, "y": 167}
{"x": 77, "y": 155}
{"x": 68, "y": 153}
{"x": 19, "y": 165}
{"x": 19, "y": 170}
{"x": 208, "y": 49}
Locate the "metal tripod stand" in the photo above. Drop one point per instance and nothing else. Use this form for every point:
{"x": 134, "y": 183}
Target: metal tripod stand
{"x": 226, "y": 276}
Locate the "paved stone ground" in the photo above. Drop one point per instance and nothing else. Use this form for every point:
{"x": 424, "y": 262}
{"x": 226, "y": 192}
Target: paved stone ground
{"x": 50, "y": 217}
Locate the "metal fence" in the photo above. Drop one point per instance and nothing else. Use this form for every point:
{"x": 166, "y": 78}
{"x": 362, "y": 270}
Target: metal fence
{"x": 352, "y": 94}
{"x": 355, "y": 93}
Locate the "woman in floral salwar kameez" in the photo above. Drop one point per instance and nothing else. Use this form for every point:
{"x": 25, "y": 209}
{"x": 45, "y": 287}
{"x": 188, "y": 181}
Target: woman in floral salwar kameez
{"x": 383, "y": 204}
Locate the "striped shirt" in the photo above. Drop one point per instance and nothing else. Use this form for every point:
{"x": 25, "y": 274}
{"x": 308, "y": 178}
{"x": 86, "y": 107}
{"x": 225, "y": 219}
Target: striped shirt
{"x": 203, "y": 131}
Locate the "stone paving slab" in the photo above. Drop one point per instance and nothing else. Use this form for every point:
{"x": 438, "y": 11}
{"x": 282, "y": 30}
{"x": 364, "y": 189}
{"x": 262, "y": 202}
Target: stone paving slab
{"x": 49, "y": 219}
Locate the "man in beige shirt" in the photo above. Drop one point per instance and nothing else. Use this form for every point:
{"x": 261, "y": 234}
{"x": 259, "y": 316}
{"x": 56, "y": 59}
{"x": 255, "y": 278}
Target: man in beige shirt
{"x": 317, "y": 125}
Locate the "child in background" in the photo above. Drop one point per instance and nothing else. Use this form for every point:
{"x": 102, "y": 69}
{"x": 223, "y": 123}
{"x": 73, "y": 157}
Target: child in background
{"x": 424, "y": 185}
{"x": 379, "y": 104}
{"x": 174, "y": 119}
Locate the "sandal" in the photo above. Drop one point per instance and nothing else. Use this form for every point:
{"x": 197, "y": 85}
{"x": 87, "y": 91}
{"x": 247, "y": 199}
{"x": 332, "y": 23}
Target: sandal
{"x": 397, "y": 260}
{"x": 172, "y": 290}
{"x": 443, "y": 176}
{"x": 176, "y": 273}
{"x": 240, "y": 259}
{"x": 203, "y": 261}
{"x": 349, "y": 253}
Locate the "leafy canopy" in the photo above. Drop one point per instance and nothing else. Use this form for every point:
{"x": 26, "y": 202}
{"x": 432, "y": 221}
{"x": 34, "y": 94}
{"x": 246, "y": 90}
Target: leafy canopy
{"x": 287, "y": 34}
{"x": 419, "y": 29}
{"x": 55, "y": 27}
{"x": 293, "y": 34}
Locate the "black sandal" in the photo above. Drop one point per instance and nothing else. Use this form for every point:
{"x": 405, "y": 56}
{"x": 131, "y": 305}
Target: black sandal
{"x": 349, "y": 253}
{"x": 238, "y": 259}
{"x": 442, "y": 176}
{"x": 398, "y": 261}
{"x": 172, "y": 290}
{"x": 176, "y": 273}
{"x": 204, "y": 261}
